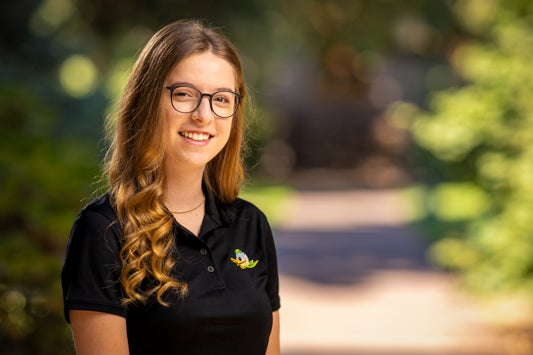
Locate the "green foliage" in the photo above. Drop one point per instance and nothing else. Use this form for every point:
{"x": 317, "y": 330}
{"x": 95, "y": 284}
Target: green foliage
{"x": 458, "y": 201}
{"x": 42, "y": 178}
{"x": 482, "y": 134}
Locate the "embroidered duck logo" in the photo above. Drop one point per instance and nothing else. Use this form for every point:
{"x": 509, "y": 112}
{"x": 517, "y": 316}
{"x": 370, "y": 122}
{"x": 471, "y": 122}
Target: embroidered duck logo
{"x": 242, "y": 261}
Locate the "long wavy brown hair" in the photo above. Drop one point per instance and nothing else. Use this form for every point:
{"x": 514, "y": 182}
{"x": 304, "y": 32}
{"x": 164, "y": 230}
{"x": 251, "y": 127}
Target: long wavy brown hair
{"x": 134, "y": 164}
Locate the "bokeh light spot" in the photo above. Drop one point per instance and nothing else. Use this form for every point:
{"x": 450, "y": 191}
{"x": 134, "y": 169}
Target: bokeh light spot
{"x": 78, "y": 76}
{"x": 51, "y": 15}
{"x": 118, "y": 77}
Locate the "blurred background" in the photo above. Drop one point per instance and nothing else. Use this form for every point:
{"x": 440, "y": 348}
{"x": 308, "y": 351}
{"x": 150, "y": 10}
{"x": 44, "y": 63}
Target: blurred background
{"x": 391, "y": 148}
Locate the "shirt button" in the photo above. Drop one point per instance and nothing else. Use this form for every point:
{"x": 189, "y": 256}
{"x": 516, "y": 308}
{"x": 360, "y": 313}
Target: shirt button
{"x": 210, "y": 268}
{"x": 203, "y": 251}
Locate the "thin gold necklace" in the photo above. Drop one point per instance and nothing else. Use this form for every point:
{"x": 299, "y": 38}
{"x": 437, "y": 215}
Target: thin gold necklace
{"x": 192, "y": 209}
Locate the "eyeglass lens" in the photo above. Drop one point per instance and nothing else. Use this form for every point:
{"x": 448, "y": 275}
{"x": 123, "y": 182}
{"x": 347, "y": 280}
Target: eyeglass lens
{"x": 187, "y": 99}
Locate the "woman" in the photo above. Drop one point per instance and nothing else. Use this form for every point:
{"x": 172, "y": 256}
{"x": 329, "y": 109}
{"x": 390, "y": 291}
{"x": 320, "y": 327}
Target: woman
{"x": 170, "y": 261}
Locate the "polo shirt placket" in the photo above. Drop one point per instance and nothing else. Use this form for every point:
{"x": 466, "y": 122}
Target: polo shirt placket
{"x": 201, "y": 250}
{"x": 199, "y": 246}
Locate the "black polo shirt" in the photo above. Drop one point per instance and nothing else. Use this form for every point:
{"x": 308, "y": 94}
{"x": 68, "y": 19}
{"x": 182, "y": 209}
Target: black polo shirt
{"x": 230, "y": 268}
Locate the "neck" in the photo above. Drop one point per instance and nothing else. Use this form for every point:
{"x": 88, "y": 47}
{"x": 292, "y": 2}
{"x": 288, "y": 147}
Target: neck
{"x": 184, "y": 190}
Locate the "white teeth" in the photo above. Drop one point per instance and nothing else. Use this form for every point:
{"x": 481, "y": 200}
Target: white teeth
{"x": 195, "y": 136}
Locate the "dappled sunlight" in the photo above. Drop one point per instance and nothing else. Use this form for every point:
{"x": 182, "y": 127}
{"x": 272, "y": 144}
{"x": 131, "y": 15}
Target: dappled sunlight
{"x": 341, "y": 210}
{"x": 391, "y": 312}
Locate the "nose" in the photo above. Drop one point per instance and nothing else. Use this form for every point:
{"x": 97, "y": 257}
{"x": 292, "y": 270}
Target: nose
{"x": 203, "y": 114}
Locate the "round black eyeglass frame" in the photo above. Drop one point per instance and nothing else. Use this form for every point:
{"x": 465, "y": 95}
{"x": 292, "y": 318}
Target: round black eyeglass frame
{"x": 171, "y": 88}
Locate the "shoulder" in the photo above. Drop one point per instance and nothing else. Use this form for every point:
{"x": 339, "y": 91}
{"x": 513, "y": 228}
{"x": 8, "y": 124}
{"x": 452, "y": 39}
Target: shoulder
{"x": 98, "y": 213}
{"x": 100, "y": 206}
{"x": 96, "y": 224}
{"x": 244, "y": 213}
{"x": 245, "y": 208}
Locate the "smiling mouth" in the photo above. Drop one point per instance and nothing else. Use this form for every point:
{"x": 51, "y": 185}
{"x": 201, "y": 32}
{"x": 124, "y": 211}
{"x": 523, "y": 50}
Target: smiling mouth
{"x": 199, "y": 137}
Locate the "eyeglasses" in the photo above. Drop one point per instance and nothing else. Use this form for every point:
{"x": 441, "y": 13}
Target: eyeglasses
{"x": 186, "y": 99}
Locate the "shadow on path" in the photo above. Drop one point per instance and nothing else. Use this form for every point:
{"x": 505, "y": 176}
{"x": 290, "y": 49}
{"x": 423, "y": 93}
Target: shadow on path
{"x": 347, "y": 256}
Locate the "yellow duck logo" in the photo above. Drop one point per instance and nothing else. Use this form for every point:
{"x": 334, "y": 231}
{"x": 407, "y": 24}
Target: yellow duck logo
{"x": 242, "y": 261}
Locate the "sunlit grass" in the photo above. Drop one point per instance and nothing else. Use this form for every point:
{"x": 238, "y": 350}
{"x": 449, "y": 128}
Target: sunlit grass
{"x": 271, "y": 199}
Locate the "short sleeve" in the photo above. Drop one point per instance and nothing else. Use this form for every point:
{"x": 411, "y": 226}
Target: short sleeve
{"x": 91, "y": 272}
{"x": 272, "y": 284}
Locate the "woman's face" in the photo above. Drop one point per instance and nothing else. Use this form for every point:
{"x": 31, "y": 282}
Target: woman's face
{"x": 193, "y": 139}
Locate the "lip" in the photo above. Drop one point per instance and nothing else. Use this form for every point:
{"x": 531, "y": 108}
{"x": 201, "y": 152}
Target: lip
{"x": 196, "y": 137}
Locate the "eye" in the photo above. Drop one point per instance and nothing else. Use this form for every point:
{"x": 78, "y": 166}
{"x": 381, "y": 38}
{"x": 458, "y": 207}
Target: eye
{"x": 184, "y": 93}
{"x": 223, "y": 98}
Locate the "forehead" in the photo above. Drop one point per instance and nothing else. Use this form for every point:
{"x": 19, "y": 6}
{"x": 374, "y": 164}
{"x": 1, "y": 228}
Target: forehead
{"x": 205, "y": 70}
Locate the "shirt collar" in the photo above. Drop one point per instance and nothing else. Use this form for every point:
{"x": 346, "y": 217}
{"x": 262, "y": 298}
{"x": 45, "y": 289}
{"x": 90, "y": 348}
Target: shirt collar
{"x": 216, "y": 212}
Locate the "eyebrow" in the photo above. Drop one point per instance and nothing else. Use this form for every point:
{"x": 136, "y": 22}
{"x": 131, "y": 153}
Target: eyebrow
{"x": 184, "y": 83}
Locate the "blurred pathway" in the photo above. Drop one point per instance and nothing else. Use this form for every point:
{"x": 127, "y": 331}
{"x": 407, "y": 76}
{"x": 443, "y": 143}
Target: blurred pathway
{"x": 354, "y": 280}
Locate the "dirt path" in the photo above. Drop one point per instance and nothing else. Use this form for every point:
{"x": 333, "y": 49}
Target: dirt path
{"x": 354, "y": 280}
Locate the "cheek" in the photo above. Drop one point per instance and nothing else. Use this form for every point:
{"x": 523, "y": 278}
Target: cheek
{"x": 226, "y": 128}
{"x": 224, "y": 137}
{"x": 230, "y": 133}
{"x": 167, "y": 129}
